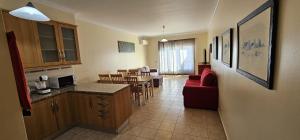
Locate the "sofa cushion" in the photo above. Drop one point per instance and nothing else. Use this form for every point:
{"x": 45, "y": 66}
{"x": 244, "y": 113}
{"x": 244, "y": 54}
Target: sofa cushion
{"x": 208, "y": 78}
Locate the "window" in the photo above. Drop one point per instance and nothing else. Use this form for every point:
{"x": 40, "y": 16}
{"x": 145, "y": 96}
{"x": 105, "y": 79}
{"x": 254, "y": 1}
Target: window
{"x": 177, "y": 56}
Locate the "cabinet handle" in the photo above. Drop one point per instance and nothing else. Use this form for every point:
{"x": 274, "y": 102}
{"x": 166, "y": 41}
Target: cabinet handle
{"x": 52, "y": 106}
{"x": 102, "y": 104}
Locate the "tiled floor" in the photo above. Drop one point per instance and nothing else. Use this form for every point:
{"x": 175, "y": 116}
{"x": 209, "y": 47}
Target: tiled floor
{"x": 163, "y": 117}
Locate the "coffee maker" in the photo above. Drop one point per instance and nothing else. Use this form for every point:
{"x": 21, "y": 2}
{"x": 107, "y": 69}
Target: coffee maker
{"x": 41, "y": 85}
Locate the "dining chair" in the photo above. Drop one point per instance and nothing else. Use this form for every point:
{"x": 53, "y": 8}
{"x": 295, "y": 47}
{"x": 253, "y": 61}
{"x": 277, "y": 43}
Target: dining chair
{"x": 117, "y": 78}
{"x": 143, "y": 74}
{"x": 136, "y": 90}
{"x": 123, "y": 72}
{"x": 104, "y": 78}
{"x": 149, "y": 85}
{"x": 133, "y": 72}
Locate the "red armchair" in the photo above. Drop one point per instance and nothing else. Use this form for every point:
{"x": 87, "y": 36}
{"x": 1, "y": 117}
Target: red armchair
{"x": 201, "y": 91}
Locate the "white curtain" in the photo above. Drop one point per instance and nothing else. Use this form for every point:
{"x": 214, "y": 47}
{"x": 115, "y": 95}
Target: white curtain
{"x": 177, "y": 57}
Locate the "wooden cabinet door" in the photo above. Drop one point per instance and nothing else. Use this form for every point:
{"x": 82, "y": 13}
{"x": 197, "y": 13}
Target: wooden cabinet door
{"x": 42, "y": 121}
{"x": 25, "y": 38}
{"x": 69, "y": 42}
{"x": 48, "y": 40}
{"x": 63, "y": 111}
{"x": 82, "y": 108}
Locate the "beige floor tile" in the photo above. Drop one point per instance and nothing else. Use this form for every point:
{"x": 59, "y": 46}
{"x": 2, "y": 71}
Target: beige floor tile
{"x": 148, "y": 133}
{"x": 167, "y": 126}
{"x": 163, "y": 135}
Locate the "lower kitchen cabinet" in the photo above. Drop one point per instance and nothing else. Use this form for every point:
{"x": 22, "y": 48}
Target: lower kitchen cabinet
{"x": 42, "y": 121}
{"x": 51, "y": 116}
{"x": 63, "y": 111}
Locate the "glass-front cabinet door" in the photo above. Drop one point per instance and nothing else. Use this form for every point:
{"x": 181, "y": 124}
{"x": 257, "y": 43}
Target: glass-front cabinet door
{"x": 49, "y": 43}
{"x": 69, "y": 43}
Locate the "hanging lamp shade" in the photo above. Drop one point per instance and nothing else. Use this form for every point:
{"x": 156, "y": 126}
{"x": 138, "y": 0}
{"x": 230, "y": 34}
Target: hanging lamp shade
{"x": 164, "y": 39}
{"x": 29, "y": 12}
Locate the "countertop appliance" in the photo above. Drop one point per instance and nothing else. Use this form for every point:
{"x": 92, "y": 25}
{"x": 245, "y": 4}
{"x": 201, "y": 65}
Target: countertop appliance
{"x": 41, "y": 85}
{"x": 61, "y": 81}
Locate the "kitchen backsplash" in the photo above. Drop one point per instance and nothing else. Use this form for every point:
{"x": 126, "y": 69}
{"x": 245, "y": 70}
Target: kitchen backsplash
{"x": 34, "y": 76}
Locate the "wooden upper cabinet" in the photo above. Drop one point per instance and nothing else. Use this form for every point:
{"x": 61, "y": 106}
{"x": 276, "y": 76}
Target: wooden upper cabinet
{"x": 69, "y": 43}
{"x": 48, "y": 40}
{"x": 25, "y": 38}
{"x": 44, "y": 44}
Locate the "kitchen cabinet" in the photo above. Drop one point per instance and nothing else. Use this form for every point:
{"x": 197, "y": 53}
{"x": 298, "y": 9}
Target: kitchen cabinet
{"x": 44, "y": 44}
{"x": 108, "y": 112}
{"x": 104, "y": 112}
{"x": 42, "y": 121}
{"x": 69, "y": 42}
{"x": 49, "y": 116}
{"x": 48, "y": 41}
{"x": 63, "y": 112}
{"x": 25, "y": 39}
{"x": 58, "y": 43}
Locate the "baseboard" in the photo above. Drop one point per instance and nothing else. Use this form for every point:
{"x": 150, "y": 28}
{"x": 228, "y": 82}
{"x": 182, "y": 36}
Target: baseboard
{"x": 225, "y": 130}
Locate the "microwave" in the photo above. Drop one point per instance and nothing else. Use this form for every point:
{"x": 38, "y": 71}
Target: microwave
{"x": 61, "y": 81}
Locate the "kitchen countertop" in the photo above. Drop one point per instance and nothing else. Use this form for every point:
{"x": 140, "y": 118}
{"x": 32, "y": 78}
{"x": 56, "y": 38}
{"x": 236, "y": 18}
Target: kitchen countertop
{"x": 96, "y": 88}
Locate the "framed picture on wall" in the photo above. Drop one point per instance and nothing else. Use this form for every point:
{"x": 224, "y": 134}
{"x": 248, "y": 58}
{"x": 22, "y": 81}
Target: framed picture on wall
{"x": 256, "y": 44}
{"x": 226, "y": 42}
{"x": 215, "y": 48}
{"x": 126, "y": 47}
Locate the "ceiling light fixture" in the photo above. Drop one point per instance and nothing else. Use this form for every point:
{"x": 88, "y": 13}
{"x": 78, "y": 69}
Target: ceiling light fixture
{"x": 164, "y": 39}
{"x": 29, "y": 12}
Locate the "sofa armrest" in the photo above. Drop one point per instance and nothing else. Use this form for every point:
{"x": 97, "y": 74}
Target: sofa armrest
{"x": 194, "y": 77}
{"x": 200, "y": 90}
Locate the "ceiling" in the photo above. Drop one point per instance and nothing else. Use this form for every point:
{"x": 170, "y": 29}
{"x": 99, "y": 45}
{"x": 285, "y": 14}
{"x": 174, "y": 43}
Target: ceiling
{"x": 142, "y": 17}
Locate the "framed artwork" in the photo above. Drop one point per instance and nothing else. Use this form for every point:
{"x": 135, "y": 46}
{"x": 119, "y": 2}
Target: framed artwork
{"x": 226, "y": 42}
{"x": 215, "y": 47}
{"x": 256, "y": 44}
{"x": 126, "y": 47}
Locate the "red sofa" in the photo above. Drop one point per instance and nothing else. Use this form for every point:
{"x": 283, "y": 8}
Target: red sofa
{"x": 201, "y": 91}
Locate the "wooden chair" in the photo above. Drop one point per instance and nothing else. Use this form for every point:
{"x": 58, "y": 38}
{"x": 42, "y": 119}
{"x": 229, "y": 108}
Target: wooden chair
{"x": 145, "y": 74}
{"x": 123, "y": 72}
{"x": 104, "y": 78}
{"x": 117, "y": 78}
{"x": 133, "y": 72}
{"x": 149, "y": 85}
{"x": 136, "y": 90}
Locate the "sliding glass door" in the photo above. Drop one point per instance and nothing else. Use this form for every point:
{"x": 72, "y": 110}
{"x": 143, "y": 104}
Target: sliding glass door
{"x": 177, "y": 56}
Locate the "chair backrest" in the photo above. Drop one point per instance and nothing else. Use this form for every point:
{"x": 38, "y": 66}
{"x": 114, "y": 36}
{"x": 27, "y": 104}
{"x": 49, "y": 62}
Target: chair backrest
{"x": 117, "y": 78}
{"x": 133, "y": 72}
{"x": 104, "y": 78}
{"x": 122, "y": 71}
{"x": 143, "y": 74}
{"x": 131, "y": 80}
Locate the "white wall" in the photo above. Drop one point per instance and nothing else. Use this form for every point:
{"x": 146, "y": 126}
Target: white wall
{"x": 99, "y": 51}
{"x": 248, "y": 110}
